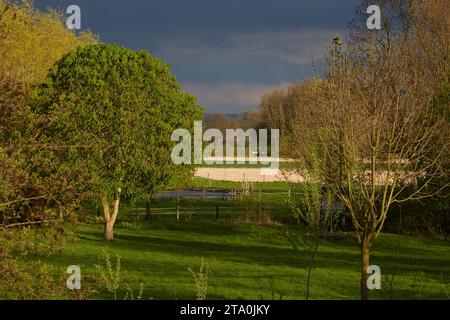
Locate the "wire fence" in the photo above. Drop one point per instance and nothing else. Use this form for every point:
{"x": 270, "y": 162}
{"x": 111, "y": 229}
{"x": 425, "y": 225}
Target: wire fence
{"x": 216, "y": 212}
{"x": 216, "y": 203}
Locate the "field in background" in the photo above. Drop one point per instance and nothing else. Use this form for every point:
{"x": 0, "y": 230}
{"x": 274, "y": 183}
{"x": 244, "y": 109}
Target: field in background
{"x": 255, "y": 202}
{"x": 199, "y": 182}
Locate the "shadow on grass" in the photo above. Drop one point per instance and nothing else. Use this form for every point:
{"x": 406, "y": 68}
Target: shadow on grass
{"x": 341, "y": 256}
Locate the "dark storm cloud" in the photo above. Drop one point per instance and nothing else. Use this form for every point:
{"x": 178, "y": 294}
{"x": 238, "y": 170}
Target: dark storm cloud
{"x": 226, "y": 52}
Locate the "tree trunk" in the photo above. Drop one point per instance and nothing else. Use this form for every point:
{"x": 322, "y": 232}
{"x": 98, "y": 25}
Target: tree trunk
{"x": 109, "y": 231}
{"x": 311, "y": 266}
{"x": 110, "y": 219}
{"x": 365, "y": 255}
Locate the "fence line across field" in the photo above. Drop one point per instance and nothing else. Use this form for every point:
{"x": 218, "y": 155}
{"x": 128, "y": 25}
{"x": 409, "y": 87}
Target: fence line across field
{"x": 212, "y": 210}
{"x": 214, "y": 192}
{"x": 208, "y": 194}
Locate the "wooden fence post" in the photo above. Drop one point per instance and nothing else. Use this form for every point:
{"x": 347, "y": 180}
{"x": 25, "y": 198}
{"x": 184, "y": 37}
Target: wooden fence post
{"x": 148, "y": 210}
{"x": 61, "y": 213}
{"x": 178, "y": 205}
{"x": 259, "y": 211}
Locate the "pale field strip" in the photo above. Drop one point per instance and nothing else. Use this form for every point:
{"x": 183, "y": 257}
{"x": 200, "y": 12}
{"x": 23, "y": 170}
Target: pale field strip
{"x": 268, "y": 175}
{"x": 246, "y": 159}
{"x": 275, "y": 175}
{"x": 247, "y": 174}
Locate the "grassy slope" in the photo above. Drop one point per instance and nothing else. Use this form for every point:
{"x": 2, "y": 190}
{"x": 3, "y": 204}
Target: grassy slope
{"x": 244, "y": 258}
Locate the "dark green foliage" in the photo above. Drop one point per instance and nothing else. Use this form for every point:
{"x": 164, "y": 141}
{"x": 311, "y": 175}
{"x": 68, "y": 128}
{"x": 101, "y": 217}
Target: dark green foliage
{"x": 428, "y": 217}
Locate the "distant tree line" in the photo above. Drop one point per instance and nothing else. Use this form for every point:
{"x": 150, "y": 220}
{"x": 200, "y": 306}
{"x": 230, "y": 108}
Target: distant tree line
{"x": 244, "y": 120}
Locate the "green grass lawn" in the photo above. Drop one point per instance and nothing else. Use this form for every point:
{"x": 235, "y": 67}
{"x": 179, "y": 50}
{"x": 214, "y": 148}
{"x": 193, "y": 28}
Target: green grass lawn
{"x": 255, "y": 262}
{"x": 197, "y": 182}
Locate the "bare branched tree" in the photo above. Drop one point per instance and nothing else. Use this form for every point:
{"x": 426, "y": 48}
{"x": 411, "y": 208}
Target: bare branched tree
{"x": 380, "y": 137}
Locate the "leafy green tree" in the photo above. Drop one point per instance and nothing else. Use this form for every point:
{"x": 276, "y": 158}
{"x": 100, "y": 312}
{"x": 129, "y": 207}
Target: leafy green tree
{"x": 107, "y": 116}
{"x": 31, "y": 41}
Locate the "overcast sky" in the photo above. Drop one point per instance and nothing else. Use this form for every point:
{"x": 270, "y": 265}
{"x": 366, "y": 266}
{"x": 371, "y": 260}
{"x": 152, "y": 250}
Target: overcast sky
{"x": 226, "y": 52}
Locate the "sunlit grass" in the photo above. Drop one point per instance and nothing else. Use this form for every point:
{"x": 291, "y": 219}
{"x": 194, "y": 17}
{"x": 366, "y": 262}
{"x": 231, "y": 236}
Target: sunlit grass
{"x": 257, "y": 262}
